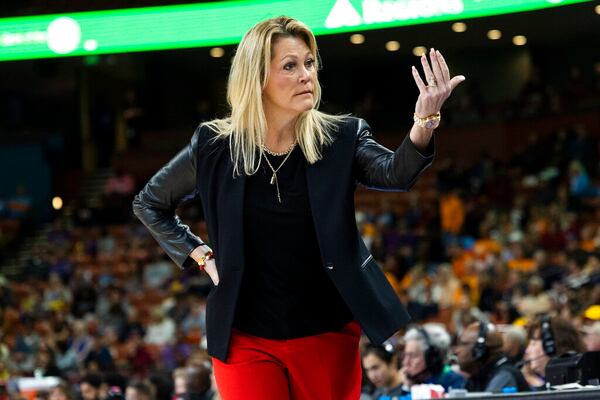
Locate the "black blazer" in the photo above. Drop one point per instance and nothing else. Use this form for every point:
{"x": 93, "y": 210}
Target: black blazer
{"x": 204, "y": 169}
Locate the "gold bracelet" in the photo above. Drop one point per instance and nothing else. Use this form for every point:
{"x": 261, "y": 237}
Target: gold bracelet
{"x": 430, "y": 122}
{"x": 202, "y": 261}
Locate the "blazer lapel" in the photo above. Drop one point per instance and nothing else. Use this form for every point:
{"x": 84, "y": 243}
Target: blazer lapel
{"x": 321, "y": 180}
{"x": 237, "y": 214}
{"x": 231, "y": 220}
{"x": 316, "y": 191}
{"x": 321, "y": 183}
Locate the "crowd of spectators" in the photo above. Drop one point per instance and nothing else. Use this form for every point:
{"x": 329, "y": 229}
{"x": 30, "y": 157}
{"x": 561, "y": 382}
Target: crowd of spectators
{"x": 506, "y": 242}
{"x": 100, "y": 306}
{"x": 100, "y": 302}
{"x": 515, "y": 238}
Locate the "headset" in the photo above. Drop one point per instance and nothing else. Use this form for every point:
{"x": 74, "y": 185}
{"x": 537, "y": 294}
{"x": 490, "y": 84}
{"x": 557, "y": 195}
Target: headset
{"x": 434, "y": 361}
{"x": 479, "y": 351}
{"x": 548, "y": 343}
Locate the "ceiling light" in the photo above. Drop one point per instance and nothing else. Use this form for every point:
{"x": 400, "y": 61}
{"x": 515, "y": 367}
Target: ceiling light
{"x": 217, "y": 52}
{"x": 519, "y": 40}
{"x": 494, "y": 34}
{"x": 57, "y": 203}
{"x": 392, "y": 45}
{"x": 597, "y": 9}
{"x": 459, "y": 27}
{"x": 357, "y": 38}
{"x": 419, "y": 51}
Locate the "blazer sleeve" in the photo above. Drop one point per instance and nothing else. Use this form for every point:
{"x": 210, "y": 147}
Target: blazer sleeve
{"x": 156, "y": 203}
{"x": 377, "y": 167}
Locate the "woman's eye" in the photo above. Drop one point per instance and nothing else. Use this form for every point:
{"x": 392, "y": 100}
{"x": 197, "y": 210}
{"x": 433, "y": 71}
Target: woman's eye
{"x": 288, "y": 66}
{"x": 310, "y": 62}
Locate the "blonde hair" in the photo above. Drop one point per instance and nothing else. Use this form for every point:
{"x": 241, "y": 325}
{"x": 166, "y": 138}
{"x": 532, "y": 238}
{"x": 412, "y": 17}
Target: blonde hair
{"x": 246, "y": 126}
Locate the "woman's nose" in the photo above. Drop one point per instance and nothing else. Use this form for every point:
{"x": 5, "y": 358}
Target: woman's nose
{"x": 304, "y": 74}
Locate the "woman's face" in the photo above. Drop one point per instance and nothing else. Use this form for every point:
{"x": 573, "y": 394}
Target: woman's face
{"x": 292, "y": 75}
{"x": 536, "y": 356}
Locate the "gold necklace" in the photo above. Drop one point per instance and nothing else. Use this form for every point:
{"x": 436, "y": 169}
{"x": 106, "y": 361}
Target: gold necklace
{"x": 274, "y": 180}
{"x": 273, "y": 153}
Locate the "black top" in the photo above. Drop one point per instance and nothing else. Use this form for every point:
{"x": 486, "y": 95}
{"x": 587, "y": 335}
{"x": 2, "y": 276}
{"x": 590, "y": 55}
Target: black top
{"x": 285, "y": 291}
{"x": 495, "y": 375}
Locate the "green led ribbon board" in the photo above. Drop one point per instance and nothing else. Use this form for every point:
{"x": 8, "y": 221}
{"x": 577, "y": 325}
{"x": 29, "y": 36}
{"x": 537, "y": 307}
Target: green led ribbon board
{"x": 222, "y": 23}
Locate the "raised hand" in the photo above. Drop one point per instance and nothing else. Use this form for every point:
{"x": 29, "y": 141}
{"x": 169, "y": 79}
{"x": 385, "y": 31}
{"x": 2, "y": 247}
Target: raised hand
{"x": 439, "y": 84}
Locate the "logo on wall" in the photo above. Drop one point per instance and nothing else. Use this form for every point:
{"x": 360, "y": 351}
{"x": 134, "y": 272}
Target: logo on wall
{"x": 344, "y": 13}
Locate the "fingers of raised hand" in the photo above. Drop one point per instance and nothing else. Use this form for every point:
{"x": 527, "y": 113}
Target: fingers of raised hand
{"x": 450, "y": 83}
{"x": 437, "y": 69}
{"x": 422, "y": 87}
{"x": 443, "y": 66}
{"x": 439, "y": 85}
{"x": 436, "y": 87}
{"x": 455, "y": 81}
{"x": 429, "y": 75}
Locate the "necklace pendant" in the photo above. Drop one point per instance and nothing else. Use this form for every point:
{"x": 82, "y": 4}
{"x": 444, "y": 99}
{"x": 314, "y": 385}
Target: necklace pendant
{"x": 273, "y": 179}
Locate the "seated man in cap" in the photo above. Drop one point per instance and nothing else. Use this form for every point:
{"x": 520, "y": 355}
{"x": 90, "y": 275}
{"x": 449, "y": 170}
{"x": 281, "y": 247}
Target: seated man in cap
{"x": 479, "y": 354}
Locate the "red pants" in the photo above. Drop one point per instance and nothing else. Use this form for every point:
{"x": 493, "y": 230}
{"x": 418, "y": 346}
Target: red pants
{"x": 319, "y": 367}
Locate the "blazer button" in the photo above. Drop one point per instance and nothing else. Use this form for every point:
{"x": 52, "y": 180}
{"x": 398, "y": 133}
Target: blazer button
{"x": 329, "y": 266}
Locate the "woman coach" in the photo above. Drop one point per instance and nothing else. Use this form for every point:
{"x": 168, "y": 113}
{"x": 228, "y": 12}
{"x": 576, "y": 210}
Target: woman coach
{"x": 294, "y": 282}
